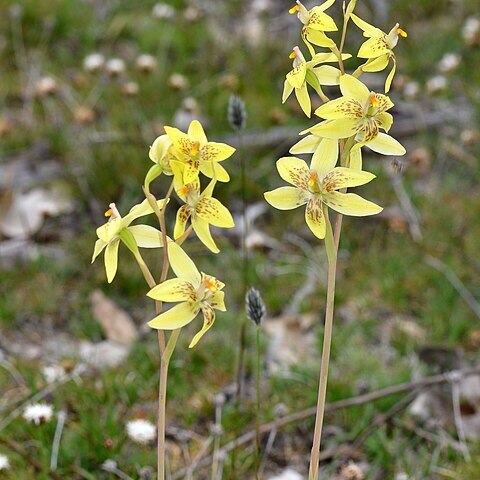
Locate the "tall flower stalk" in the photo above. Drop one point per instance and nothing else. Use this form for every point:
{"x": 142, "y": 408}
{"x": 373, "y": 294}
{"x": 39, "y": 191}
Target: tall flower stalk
{"x": 183, "y": 155}
{"x": 350, "y": 122}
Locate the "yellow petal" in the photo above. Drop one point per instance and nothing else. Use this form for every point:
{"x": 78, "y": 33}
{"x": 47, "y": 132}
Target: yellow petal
{"x": 214, "y": 170}
{"x": 174, "y": 290}
{"x": 340, "y": 128}
{"x": 351, "y": 204}
{"x": 287, "y": 90}
{"x": 325, "y": 157}
{"x": 183, "y": 144}
{"x": 343, "y": 107}
{"x": 373, "y": 48}
{"x": 327, "y": 75}
{"x": 315, "y": 218}
{"x": 183, "y": 214}
{"x": 99, "y": 246}
{"x": 217, "y": 301}
{"x": 321, "y": 21}
{"x": 294, "y": 170}
{"x": 323, "y": 6}
{"x": 327, "y": 57}
{"x": 342, "y": 177}
{"x": 307, "y": 144}
{"x": 191, "y": 170}
{"x": 376, "y": 64}
{"x": 208, "y": 321}
{"x": 213, "y": 212}
{"x": 108, "y": 230}
{"x": 196, "y": 131}
{"x": 140, "y": 210}
{"x": 390, "y": 76}
{"x": 111, "y": 259}
{"x": 317, "y": 38}
{"x": 202, "y": 229}
{"x": 159, "y": 148}
{"x": 177, "y": 317}
{"x": 146, "y": 236}
{"x": 352, "y": 87}
{"x": 296, "y": 77}
{"x": 386, "y": 145}
{"x": 384, "y": 120}
{"x": 304, "y": 100}
{"x": 370, "y": 30}
{"x": 285, "y": 198}
{"x": 356, "y": 159}
{"x": 182, "y": 265}
{"x": 216, "y": 152}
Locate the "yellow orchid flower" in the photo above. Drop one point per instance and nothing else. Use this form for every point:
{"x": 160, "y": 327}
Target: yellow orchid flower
{"x": 161, "y": 153}
{"x": 318, "y": 186}
{"x": 378, "y": 49}
{"x": 196, "y": 291}
{"x": 315, "y": 23}
{"x": 202, "y": 208}
{"x": 118, "y": 229}
{"x": 198, "y": 154}
{"x": 304, "y": 73}
{"x": 360, "y": 113}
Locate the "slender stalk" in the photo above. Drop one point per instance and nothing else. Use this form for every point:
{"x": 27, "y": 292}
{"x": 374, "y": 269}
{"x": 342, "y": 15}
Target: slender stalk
{"x": 332, "y": 242}
{"x": 243, "y": 327}
{"x": 322, "y": 389}
{"x": 257, "y": 407}
{"x": 162, "y": 402}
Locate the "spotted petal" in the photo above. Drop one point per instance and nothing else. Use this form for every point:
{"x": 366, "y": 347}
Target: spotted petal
{"x": 351, "y": 204}
{"x": 294, "y": 170}
{"x": 183, "y": 214}
{"x": 296, "y": 77}
{"x": 217, "y": 301}
{"x": 174, "y": 290}
{"x": 343, "y": 107}
{"x": 342, "y": 177}
{"x": 215, "y": 152}
{"x": 177, "y": 317}
{"x": 374, "y": 47}
{"x": 315, "y": 218}
{"x": 208, "y": 321}
{"x": 108, "y": 230}
{"x": 286, "y": 198}
{"x": 111, "y": 259}
{"x": 213, "y": 212}
{"x": 321, "y": 21}
{"x": 184, "y": 145}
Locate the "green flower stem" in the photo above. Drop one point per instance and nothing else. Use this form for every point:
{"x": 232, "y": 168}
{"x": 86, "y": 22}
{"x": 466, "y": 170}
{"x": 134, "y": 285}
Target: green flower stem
{"x": 327, "y": 342}
{"x": 332, "y": 241}
{"x": 257, "y": 409}
{"x": 162, "y": 401}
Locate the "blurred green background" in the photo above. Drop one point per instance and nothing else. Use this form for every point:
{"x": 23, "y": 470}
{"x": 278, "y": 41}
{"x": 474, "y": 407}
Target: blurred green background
{"x": 85, "y": 88}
